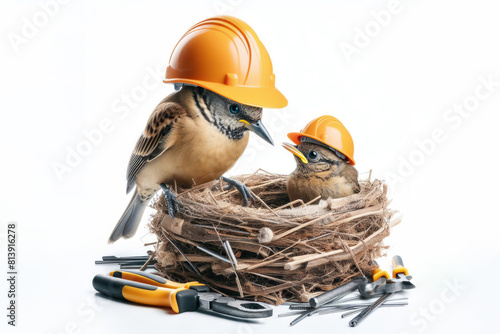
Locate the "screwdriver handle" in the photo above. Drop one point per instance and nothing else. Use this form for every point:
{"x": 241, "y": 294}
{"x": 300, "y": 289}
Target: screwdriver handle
{"x": 332, "y": 294}
{"x": 151, "y": 279}
{"x": 397, "y": 263}
{"x": 180, "y": 300}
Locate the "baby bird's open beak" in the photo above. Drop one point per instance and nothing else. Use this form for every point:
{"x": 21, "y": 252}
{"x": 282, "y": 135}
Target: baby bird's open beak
{"x": 259, "y": 129}
{"x": 295, "y": 151}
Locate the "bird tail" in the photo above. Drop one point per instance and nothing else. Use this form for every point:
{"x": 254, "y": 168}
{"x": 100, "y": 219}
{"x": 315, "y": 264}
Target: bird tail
{"x": 129, "y": 222}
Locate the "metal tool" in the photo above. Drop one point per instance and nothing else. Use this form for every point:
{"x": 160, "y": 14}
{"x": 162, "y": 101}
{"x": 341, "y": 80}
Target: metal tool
{"x": 333, "y": 309}
{"x": 325, "y": 309}
{"x": 307, "y": 306}
{"x": 360, "y": 317}
{"x": 116, "y": 259}
{"x": 400, "y": 273}
{"x": 191, "y": 265}
{"x": 343, "y": 315}
{"x": 378, "y": 285}
{"x": 149, "y": 289}
{"x": 334, "y": 293}
{"x": 136, "y": 266}
{"x": 383, "y": 283}
{"x": 344, "y": 304}
{"x": 128, "y": 262}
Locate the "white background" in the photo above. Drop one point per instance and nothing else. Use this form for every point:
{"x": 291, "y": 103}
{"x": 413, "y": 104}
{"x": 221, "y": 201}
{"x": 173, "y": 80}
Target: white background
{"x": 73, "y": 70}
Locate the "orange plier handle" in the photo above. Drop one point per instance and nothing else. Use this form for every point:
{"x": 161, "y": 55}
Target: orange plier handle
{"x": 378, "y": 273}
{"x": 144, "y": 288}
{"x": 397, "y": 263}
{"x": 398, "y": 268}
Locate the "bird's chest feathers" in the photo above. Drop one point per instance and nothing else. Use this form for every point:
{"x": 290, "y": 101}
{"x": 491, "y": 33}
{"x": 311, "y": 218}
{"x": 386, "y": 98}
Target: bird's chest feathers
{"x": 203, "y": 153}
{"x": 309, "y": 186}
{"x": 212, "y": 148}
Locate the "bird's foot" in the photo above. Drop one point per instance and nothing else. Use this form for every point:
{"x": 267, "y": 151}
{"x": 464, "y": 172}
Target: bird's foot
{"x": 244, "y": 191}
{"x": 171, "y": 199}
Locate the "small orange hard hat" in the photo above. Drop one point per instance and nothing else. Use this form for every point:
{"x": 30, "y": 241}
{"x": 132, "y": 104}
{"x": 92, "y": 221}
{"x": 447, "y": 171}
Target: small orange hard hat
{"x": 329, "y": 131}
{"x": 223, "y": 54}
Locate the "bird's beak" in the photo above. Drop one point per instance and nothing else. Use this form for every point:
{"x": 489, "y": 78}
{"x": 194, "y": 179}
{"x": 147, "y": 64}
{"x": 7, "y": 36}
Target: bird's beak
{"x": 259, "y": 129}
{"x": 294, "y": 150}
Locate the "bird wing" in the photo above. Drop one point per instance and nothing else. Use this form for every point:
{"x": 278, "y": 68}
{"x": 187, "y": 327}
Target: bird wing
{"x": 155, "y": 138}
{"x": 351, "y": 174}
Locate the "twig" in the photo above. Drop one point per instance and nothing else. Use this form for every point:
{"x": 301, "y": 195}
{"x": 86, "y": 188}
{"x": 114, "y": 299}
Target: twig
{"x": 291, "y": 204}
{"x": 151, "y": 257}
{"x": 292, "y": 230}
{"x": 264, "y": 203}
{"x": 304, "y": 257}
{"x": 307, "y": 258}
{"x": 313, "y": 200}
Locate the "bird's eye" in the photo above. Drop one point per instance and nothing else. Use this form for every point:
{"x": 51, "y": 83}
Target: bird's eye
{"x": 313, "y": 155}
{"x": 234, "y": 108}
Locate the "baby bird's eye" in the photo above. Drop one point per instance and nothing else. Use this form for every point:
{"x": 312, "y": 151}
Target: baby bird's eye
{"x": 234, "y": 108}
{"x": 313, "y": 155}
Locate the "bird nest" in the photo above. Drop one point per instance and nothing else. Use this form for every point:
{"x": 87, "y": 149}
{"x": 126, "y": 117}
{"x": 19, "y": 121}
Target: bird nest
{"x": 278, "y": 250}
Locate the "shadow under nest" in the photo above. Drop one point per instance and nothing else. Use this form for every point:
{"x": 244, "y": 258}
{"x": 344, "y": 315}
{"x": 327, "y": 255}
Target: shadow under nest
{"x": 284, "y": 251}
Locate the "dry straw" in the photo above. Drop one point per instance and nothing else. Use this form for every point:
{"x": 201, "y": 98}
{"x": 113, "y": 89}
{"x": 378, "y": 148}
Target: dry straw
{"x": 273, "y": 250}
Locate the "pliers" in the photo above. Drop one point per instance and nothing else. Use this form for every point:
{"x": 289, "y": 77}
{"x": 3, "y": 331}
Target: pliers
{"x": 400, "y": 281}
{"x": 382, "y": 283}
{"x": 145, "y": 288}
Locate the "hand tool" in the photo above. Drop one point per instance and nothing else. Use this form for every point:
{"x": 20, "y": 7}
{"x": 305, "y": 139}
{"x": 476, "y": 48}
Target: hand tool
{"x": 298, "y": 307}
{"x": 343, "y": 307}
{"x": 116, "y": 259}
{"x": 328, "y": 297}
{"x": 380, "y": 275}
{"x": 145, "y": 288}
{"x": 380, "y": 279}
{"x": 128, "y": 262}
{"x": 343, "y": 315}
{"x": 123, "y": 260}
{"x": 341, "y": 290}
{"x": 307, "y": 306}
{"x": 217, "y": 256}
{"x": 383, "y": 283}
{"x": 401, "y": 274}
{"x": 360, "y": 317}
{"x": 333, "y": 309}
{"x": 136, "y": 266}
{"x": 191, "y": 265}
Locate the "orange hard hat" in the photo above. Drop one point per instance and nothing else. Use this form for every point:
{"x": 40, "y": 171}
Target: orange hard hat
{"x": 224, "y": 55}
{"x": 329, "y": 131}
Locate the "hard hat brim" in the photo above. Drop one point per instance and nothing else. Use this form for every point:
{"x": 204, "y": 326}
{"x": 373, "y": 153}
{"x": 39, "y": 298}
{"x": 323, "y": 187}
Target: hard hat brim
{"x": 295, "y": 137}
{"x": 262, "y": 97}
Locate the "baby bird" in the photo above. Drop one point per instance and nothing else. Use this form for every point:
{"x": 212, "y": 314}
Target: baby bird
{"x": 320, "y": 172}
{"x": 192, "y": 137}
{"x": 322, "y": 169}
